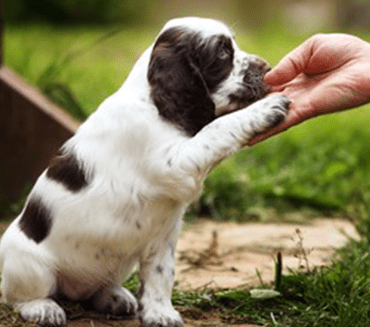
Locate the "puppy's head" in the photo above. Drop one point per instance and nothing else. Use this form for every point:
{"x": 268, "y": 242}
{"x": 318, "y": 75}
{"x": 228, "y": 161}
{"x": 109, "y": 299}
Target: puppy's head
{"x": 197, "y": 73}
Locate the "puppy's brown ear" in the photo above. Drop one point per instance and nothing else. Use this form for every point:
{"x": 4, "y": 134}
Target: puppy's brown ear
{"x": 177, "y": 86}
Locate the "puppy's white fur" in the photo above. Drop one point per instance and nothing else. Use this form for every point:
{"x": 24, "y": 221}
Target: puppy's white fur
{"x": 141, "y": 171}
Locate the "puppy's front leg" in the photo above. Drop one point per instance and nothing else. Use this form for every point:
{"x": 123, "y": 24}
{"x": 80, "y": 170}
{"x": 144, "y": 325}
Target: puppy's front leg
{"x": 157, "y": 274}
{"x": 229, "y": 133}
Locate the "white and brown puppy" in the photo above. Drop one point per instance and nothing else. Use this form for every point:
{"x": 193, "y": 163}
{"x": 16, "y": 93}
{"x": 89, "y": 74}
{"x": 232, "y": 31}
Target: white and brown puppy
{"x": 114, "y": 198}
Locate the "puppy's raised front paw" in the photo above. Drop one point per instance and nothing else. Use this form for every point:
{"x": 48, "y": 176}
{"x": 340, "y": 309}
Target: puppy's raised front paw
{"x": 43, "y": 312}
{"x": 270, "y": 112}
{"x": 279, "y": 105}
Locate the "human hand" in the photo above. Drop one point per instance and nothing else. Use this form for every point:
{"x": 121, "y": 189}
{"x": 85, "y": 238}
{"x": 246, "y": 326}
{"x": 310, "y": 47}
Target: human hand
{"x": 327, "y": 73}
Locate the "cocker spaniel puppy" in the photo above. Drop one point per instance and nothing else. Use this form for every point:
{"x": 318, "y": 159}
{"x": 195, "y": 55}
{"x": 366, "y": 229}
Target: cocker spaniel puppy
{"x": 114, "y": 197}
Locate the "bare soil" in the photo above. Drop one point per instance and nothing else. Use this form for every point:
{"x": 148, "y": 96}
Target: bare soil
{"x": 228, "y": 255}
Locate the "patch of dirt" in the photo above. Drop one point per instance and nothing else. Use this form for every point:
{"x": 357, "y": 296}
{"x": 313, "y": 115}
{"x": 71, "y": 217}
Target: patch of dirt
{"x": 228, "y": 255}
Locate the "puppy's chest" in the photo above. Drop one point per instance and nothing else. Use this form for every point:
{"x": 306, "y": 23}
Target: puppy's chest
{"x": 121, "y": 233}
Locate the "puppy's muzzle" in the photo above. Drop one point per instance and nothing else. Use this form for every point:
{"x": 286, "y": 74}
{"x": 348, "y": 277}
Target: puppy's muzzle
{"x": 253, "y": 78}
{"x": 253, "y": 87}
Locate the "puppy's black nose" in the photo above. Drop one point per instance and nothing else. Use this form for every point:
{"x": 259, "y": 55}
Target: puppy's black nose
{"x": 253, "y": 77}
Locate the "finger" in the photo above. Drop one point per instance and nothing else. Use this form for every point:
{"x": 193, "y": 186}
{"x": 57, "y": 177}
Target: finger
{"x": 291, "y": 65}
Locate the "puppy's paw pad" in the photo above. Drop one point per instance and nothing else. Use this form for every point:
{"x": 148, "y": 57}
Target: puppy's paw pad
{"x": 43, "y": 312}
{"x": 116, "y": 300}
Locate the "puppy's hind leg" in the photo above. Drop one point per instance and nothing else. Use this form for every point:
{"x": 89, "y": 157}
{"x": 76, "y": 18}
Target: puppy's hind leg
{"x": 26, "y": 285}
{"x": 115, "y": 300}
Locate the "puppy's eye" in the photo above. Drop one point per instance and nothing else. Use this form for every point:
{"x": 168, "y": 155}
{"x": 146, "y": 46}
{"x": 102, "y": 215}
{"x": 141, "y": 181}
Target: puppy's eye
{"x": 224, "y": 50}
{"x": 224, "y": 53}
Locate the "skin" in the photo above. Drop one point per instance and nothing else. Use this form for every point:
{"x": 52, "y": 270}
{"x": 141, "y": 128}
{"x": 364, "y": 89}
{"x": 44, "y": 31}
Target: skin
{"x": 325, "y": 74}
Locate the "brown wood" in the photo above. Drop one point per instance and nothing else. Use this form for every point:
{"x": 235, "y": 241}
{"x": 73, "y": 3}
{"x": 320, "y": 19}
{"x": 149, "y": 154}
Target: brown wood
{"x": 32, "y": 128}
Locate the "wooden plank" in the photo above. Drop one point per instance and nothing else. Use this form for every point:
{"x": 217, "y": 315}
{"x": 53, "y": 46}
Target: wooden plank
{"x": 32, "y": 128}
{"x": 38, "y": 99}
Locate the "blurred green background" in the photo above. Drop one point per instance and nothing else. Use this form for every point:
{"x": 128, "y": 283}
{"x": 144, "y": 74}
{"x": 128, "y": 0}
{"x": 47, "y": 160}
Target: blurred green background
{"x": 79, "y": 52}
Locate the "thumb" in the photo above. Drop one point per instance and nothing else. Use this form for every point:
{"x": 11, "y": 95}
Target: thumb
{"x": 290, "y": 66}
